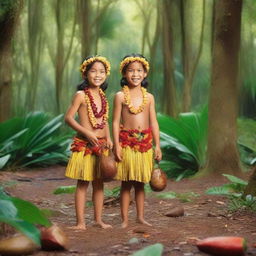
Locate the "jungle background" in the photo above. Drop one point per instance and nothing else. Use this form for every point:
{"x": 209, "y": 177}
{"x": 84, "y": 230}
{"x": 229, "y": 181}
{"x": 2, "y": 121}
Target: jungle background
{"x": 202, "y": 73}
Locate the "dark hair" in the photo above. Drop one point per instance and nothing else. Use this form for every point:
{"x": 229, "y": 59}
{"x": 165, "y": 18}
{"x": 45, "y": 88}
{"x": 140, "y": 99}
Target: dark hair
{"x": 123, "y": 80}
{"x": 85, "y": 83}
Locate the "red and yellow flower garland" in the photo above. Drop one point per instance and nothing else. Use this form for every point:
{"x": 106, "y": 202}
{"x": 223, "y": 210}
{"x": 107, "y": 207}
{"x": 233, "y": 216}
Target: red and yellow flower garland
{"x": 93, "y": 112}
{"x": 127, "y": 100}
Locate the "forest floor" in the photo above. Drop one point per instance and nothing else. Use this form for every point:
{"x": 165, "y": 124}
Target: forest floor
{"x": 205, "y": 216}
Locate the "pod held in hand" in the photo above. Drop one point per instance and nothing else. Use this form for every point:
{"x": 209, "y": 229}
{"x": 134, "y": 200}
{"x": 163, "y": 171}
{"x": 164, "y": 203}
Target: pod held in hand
{"x": 107, "y": 165}
{"x": 158, "y": 180}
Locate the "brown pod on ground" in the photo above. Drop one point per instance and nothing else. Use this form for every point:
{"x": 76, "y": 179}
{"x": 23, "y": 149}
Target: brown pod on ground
{"x": 158, "y": 180}
{"x": 17, "y": 245}
{"x": 108, "y": 168}
{"x": 175, "y": 212}
{"x": 53, "y": 238}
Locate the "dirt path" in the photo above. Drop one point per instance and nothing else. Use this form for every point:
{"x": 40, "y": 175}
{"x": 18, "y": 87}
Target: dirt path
{"x": 204, "y": 216}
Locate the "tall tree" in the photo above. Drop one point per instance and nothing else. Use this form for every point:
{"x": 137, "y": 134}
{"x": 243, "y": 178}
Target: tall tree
{"x": 9, "y": 14}
{"x": 190, "y": 62}
{"x": 169, "y": 97}
{"x": 222, "y": 152}
{"x": 35, "y": 46}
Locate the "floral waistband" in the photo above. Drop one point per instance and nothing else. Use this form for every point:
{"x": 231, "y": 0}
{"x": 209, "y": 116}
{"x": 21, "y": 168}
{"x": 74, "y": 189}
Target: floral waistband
{"x": 80, "y": 145}
{"x": 138, "y": 140}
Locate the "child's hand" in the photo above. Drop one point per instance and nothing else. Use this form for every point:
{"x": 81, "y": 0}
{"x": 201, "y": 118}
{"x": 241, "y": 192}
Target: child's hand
{"x": 158, "y": 154}
{"x": 109, "y": 144}
{"x": 118, "y": 152}
{"x": 92, "y": 138}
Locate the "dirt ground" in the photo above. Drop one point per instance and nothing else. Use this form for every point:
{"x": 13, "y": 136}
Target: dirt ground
{"x": 204, "y": 216}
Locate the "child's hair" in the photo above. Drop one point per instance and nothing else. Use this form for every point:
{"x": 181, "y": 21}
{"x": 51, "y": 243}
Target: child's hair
{"x": 86, "y": 66}
{"x": 129, "y": 59}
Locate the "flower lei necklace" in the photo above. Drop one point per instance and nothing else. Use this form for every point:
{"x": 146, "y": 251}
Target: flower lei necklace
{"x": 92, "y": 109}
{"x": 127, "y": 100}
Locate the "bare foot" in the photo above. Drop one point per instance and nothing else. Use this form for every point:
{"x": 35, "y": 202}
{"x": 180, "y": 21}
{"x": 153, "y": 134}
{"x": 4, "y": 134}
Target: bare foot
{"x": 142, "y": 221}
{"x": 124, "y": 224}
{"x": 78, "y": 227}
{"x": 103, "y": 225}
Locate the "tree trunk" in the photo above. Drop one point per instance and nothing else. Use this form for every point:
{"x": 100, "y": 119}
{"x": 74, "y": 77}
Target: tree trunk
{"x": 169, "y": 98}
{"x": 8, "y": 22}
{"x": 85, "y": 28}
{"x": 251, "y": 187}
{"x": 189, "y": 63}
{"x": 35, "y": 20}
{"x": 222, "y": 155}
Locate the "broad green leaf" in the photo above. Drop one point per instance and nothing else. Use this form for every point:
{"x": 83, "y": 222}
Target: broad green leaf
{"x": 151, "y": 250}
{"x": 222, "y": 190}
{"x": 65, "y": 190}
{"x": 167, "y": 195}
{"x": 16, "y": 208}
{"x": 4, "y": 160}
{"x": 24, "y": 227}
{"x": 235, "y": 179}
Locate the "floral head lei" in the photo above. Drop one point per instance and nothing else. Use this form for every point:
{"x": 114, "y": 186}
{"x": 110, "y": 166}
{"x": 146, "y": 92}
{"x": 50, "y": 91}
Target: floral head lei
{"x": 101, "y": 59}
{"x": 129, "y": 60}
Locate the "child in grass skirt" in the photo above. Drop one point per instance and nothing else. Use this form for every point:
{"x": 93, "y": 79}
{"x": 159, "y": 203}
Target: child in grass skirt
{"x": 134, "y": 107}
{"x": 92, "y": 138}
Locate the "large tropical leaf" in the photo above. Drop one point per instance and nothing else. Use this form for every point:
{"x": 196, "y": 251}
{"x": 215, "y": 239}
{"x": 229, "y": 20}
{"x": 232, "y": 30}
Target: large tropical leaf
{"x": 22, "y": 215}
{"x": 33, "y": 140}
{"x": 151, "y": 250}
{"x": 183, "y": 142}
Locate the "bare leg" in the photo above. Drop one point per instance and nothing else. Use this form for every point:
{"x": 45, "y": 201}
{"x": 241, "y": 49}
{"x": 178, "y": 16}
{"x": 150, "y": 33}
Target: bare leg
{"x": 140, "y": 198}
{"x": 98, "y": 197}
{"x": 80, "y": 199}
{"x": 125, "y": 201}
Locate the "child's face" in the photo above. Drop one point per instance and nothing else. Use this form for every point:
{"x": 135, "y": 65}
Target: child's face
{"x": 135, "y": 74}
{"x": 97, "y": 74}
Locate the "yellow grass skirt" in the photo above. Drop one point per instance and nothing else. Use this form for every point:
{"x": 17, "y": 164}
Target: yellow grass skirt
{"x": 83, "y": 167}
{"x": 135, "y": 165}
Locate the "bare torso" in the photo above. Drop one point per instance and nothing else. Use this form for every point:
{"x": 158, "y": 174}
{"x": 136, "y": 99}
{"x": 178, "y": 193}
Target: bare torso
{"x": 84, "y": 118}
{"x": 139, "y": 121}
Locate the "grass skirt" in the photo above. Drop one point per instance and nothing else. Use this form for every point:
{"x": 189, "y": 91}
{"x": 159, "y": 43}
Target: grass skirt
{"x": 135, "y": 166}
{"x": 83, "y": 164}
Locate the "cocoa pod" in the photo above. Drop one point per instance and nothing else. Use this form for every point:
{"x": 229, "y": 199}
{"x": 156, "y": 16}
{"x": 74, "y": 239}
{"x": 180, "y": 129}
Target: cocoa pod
{"x": 53, "y": 238}
{"x": 108, "y": 168}
{"x": 175, "y": 212}
{"x": 17, "y": 245}
{"x": 158, "y": 180}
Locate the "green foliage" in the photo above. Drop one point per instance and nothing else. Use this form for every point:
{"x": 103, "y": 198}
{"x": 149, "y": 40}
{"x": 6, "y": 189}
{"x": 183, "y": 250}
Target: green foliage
{"x": 22, "y": 215}
{"x": 183, "y": 197}
{"x": 64, "y": 190}
{"x": 151, "y": 250}
{"x": 236, "y": 187}
{"x": 247, "y": 140}
{"x": 114, "y": 192}
{"x": 183, "y": 141}
{"x": 109, "y": 21}
{"x": 32, "y": 140}
{"x": 234, "y": 192}
{"x": 240, "y": 203}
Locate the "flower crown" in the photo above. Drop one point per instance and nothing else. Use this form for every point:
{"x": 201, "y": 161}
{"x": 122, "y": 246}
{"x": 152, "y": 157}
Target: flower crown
{"x": 93, "y": 59}
{"x": 128, "y": 60}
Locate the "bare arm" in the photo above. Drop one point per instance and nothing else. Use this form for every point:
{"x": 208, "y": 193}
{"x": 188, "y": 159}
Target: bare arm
{"x": 109, "y": 141}
{"x": 116, "y": 124}
{"x": 78, "y": 99}
{"x": 155, "y": 128}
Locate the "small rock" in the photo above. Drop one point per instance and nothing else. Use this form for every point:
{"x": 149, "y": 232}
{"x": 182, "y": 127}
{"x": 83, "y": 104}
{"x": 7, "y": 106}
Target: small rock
{"x": 133, "y": 240}
{"x": 210, "y": 214}
{"x": 188, "y": 254}
{"x": 175, "y": 212}
{"x": 176, "y": 248}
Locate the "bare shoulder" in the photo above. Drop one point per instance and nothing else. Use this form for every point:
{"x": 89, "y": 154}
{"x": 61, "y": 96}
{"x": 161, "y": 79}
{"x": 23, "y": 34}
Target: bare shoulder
{"x": 150, "y": 97}
{"x": 78, "y": 96}
{"x": 119, "y": 96}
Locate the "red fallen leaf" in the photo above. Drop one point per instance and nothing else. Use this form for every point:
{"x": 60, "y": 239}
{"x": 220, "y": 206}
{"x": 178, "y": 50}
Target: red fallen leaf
{"x": 223, "y": 245}
{"x": 53, "y": 238}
